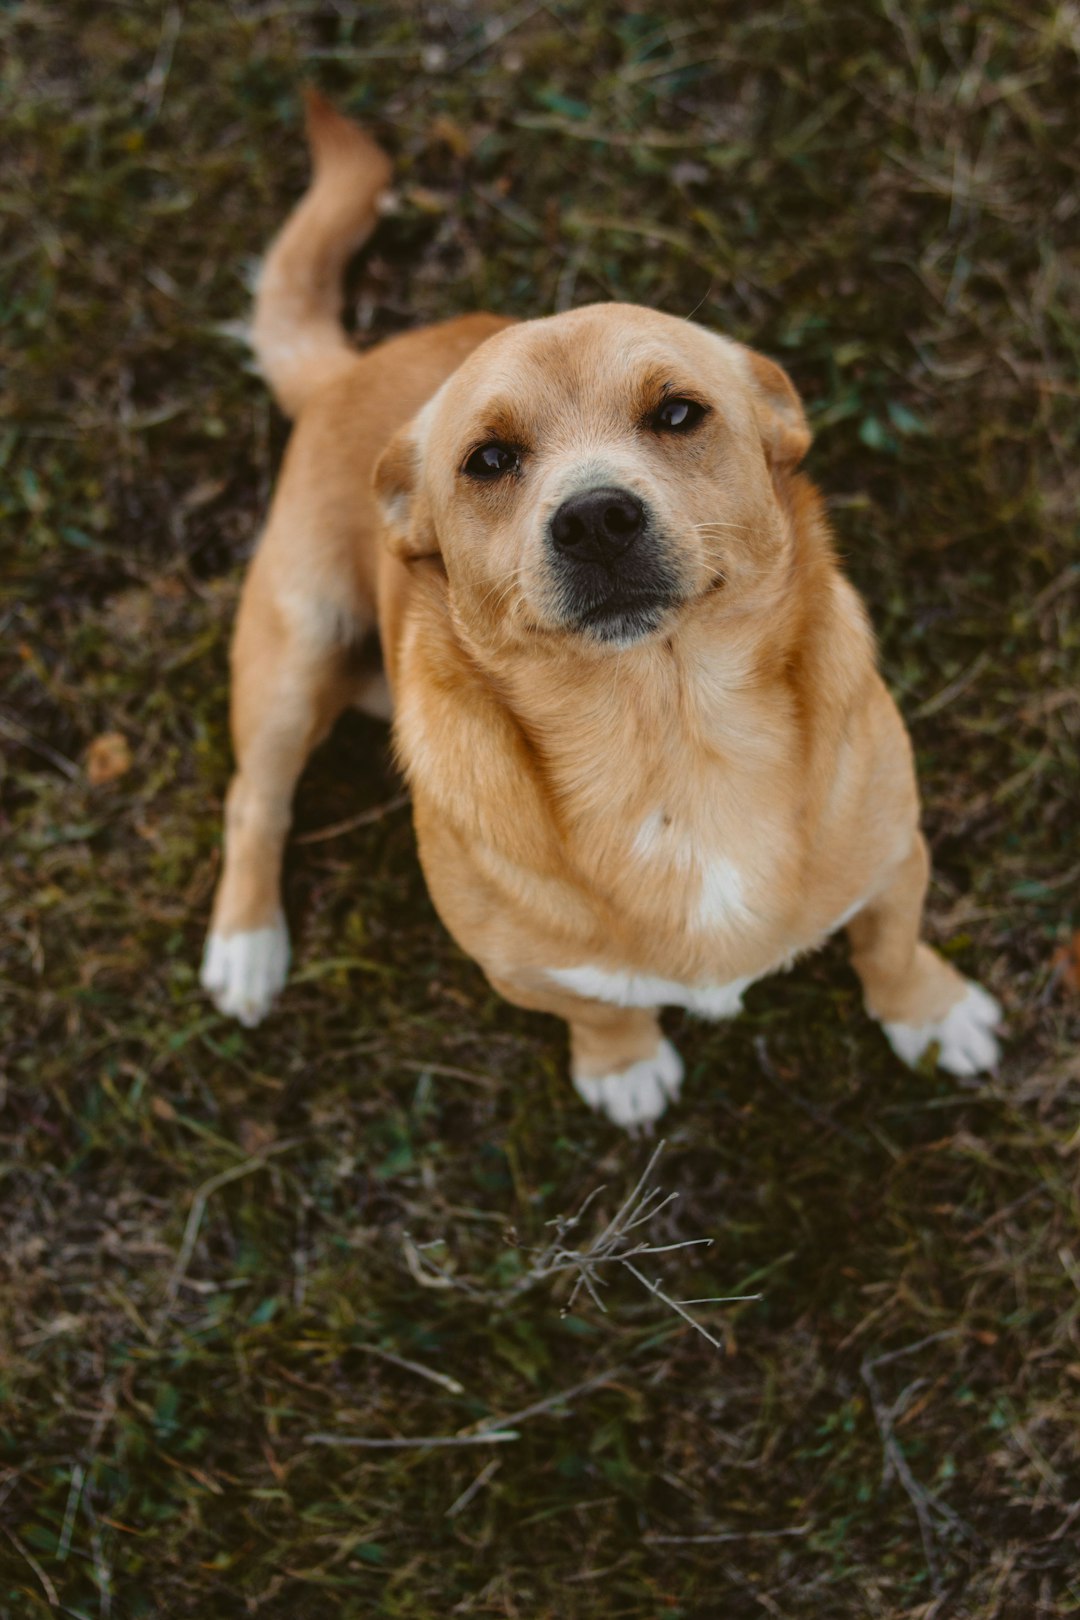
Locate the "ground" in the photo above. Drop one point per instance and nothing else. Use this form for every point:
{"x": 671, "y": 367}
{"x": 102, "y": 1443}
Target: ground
{"x": 213, "y": 1239}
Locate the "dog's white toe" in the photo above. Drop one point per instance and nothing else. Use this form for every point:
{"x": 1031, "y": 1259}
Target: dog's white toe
{"x": 965, "y": 1036}
{"x": 635, "y": 1097}
{"x": 244, "y": 972}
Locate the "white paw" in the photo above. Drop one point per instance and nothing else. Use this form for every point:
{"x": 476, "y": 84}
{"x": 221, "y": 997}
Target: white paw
{"x": 244, "y": 972}
{"x": 635, "y": 1097}
{"x": 965, "y": 1036}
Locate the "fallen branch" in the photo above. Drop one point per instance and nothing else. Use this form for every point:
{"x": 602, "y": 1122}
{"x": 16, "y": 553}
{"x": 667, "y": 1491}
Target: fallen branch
{"x": 925, "y": 1501}
{"x": 493, "y": 1430}
{"x": 613, "y": 1245}
{"x": 194, "y": 1221}
{"x": 722, "y": 1536}
{"x": 365, "y": 818}
{"x": 404, "y": 1442}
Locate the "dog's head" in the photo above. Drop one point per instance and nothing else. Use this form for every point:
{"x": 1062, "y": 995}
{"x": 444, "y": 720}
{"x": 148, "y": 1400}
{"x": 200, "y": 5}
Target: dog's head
{"x": 590, "y": 475}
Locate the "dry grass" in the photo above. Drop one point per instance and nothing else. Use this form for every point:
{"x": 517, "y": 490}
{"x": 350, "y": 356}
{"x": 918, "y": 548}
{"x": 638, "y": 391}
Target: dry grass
{"x": 204, "y": 1260}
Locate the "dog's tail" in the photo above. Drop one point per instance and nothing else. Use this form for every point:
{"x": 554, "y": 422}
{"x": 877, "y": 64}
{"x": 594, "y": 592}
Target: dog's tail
{"x": 296, "y": 331}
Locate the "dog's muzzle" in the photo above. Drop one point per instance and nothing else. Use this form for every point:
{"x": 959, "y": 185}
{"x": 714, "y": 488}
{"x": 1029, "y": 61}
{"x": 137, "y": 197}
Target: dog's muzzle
{"x": 608, "y": 562}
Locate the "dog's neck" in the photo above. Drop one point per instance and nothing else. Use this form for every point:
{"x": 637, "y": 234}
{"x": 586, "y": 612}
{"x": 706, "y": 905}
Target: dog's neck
{"x": 729, "y": 684}
{"x": 732, "y": 710}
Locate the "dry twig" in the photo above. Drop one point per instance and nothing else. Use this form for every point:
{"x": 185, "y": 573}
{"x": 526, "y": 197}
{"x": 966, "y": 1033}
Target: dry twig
{"x": 926, "y": 1502}
{"x": 613, "y": 1245}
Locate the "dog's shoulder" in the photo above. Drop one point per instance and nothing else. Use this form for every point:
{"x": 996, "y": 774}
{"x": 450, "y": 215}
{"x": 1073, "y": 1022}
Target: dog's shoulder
{"x": 457, "y": 741}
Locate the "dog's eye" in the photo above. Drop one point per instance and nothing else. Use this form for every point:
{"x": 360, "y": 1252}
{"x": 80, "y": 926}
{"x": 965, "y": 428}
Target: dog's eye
{"x": 677, "y": 415}
{"x": 491, "y": 461}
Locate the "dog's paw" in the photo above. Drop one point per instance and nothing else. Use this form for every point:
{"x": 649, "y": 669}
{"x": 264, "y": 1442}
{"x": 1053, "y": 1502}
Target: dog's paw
{"x": 965, "y": 1036}
{"x": 244, "y": 972}
{"x": 635, "y": 1097}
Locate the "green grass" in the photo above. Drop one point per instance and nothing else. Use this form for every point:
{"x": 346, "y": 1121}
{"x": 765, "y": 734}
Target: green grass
{"x": 885, "y": 197}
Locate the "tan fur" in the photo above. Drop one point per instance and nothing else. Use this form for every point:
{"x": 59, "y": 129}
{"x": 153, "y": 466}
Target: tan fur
{"x": 296, "y": 333}
{"x": 695, "y": 807}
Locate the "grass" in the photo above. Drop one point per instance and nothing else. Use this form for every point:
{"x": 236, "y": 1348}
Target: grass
{"x": 213, "y": 1239}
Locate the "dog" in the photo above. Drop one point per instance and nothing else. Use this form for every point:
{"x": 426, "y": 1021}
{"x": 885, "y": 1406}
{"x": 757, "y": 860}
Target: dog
{"x": 650, "y": 754}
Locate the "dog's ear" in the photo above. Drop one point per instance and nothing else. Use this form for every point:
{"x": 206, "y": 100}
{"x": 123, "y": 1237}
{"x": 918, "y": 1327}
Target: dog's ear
{"x": 410, "y": 532}
{"x": 781, "y": 418}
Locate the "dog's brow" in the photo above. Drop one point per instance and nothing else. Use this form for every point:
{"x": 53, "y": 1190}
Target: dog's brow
{"x": 501, "y": 420}
{"x": 658, "y": 382}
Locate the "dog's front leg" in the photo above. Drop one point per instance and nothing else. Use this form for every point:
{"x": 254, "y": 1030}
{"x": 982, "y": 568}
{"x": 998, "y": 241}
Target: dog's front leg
{"x": 288, "y": 688}
{"x": 620, "y": 1063}
{"x": 918, "y": 998}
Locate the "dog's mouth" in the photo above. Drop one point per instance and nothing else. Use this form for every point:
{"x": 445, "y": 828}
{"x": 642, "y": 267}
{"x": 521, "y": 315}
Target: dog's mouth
{"x": 624, "y": 617}
{"x": 619, "y": 599}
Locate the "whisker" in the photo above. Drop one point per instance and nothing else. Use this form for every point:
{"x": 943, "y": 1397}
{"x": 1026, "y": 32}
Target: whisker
{"x": 502, "y": 587}
{"x": 718, "y": 523}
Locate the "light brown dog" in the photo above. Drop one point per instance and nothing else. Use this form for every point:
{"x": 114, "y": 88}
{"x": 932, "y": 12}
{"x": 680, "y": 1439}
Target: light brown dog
{"x": 650, "y": 754}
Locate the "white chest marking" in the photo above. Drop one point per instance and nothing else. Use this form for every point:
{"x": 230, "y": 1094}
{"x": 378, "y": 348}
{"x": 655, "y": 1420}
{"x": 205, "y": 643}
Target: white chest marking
{"x": 721, "y": 902}
{"x": 643, "y": 990}
{"x": 657, "y": 840}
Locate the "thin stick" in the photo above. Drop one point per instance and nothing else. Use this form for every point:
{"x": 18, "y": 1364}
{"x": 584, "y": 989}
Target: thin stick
{"x": 673, "y": 1304}
{"x": 492, "y": 1431}
{"x": 921, "y": 1497}
{"x": 606, "y": 137}
{"x": 539, "y": 1407}
{"x": 413, "y": 1366}
{"x": 361, "y": 1442}
{"x": 78, "y": 1475}
{"x": 450, "y": 1072}
{"x": 16, "y": 732}
{"x": 153, "y": 90}
{"x": 613, "y": 1226}
{"x": 726, "y": 1535}
{"x": 24, "y": 1552}
{"x": 364, "y": 819}
{"x": 460, "y": 1503}
{"x": 721, "y": 1299}
{"x": 612, "y": 1246}
{"x": 666, "y": 1248}
{"x": 194, "y": 1221}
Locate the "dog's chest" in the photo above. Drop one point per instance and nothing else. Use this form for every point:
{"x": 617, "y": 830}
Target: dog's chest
{"x": 699, "y": 884}
{"x": 702, "y": 910}
{"x": 693, "y": 866}
{"x": 709, "y": 861}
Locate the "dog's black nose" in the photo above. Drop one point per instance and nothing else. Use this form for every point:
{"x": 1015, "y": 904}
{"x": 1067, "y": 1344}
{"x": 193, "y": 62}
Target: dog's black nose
{"x": 598, "y": 525}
